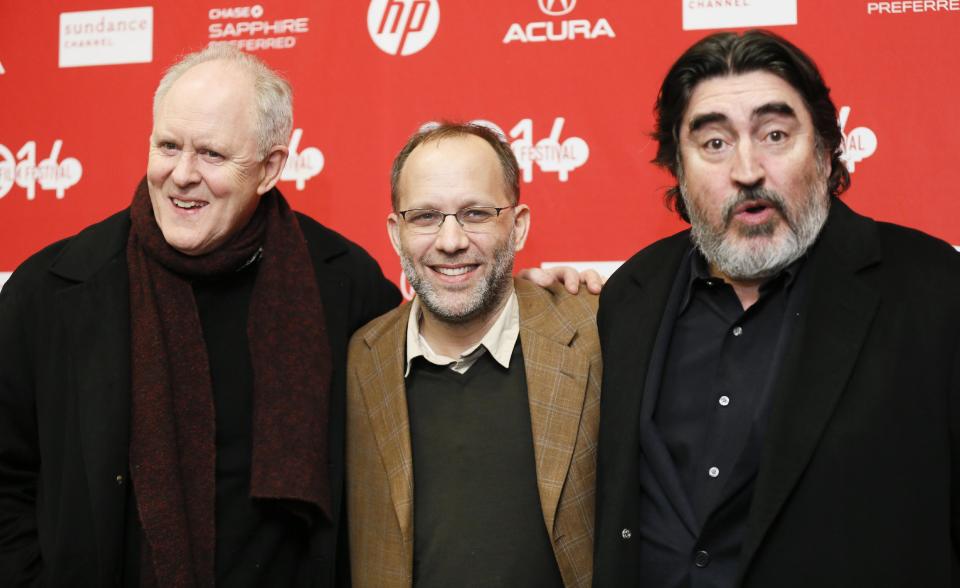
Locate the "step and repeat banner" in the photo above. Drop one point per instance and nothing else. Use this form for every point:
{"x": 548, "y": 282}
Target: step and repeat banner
{"x": 571, "y": 83}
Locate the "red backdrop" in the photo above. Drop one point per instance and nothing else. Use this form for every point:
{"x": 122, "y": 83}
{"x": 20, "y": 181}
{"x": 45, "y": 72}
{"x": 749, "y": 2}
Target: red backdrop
{"x": 571, "y": 82}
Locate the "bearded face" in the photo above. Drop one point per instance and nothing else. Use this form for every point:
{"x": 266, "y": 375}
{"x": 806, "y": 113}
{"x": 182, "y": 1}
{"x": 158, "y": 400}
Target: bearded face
{"x": 461, "y": 270}
{"x": 762, "y": 249}
{"x": 752, "y": 174}
{"x": 477, "y": 298}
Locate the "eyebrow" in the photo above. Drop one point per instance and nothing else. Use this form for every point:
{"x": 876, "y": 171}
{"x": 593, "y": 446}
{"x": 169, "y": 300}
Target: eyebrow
{"x": 702, "y": 120}
{"x": 778, "y": 108}
{"x": 781, "y": 108}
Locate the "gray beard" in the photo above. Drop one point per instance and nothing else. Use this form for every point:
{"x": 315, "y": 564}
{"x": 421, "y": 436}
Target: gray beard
{"x": 485, "y": 298}
{"x": 746, "y": 260}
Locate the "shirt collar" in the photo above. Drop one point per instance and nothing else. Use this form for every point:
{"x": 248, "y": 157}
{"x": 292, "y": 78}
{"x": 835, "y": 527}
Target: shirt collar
{"x": 499, "y": 340}
{"x": 700, "y": 275}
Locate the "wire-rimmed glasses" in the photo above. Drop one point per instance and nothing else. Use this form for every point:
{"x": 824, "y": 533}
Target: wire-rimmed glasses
{"x": 473, "y": 219}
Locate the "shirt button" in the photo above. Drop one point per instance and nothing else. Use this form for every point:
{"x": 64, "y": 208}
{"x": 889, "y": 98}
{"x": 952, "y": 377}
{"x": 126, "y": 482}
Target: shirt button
{"x": 713, "y": 472}
{"x": 119, "y": 480}
{"x": 701, "y": 559}
{"x": 724, "y": 400}
{"x": 737, "y": 331}
{"x": 626, "y": 533}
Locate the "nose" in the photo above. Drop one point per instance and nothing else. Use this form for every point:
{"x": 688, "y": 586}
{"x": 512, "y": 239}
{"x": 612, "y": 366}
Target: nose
{"x": 451, "y": 238}
{"x": 747, "y": 169}
{"x": 185, "y": 171}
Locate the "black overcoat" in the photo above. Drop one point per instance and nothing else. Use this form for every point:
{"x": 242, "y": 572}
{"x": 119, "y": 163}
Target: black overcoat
{"x": 859, "y": 477}
{"x": 65, "y": 401}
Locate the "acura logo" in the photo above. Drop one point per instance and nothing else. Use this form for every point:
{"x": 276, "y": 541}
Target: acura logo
{"x": 557, "y": 7}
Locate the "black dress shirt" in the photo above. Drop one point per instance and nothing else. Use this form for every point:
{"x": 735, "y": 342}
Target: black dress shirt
{"x": 710, "y": 413}
{"x": 719, "y": 364}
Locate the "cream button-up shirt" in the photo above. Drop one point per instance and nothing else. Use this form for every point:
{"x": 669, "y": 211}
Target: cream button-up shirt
{"x": 499, "y": 340}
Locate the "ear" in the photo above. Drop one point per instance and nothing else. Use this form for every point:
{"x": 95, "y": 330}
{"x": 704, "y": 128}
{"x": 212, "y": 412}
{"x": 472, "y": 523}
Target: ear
{"x": 272, "y": 168}
{"x": 521, "y": 225}
{"x": 393, "y": 230}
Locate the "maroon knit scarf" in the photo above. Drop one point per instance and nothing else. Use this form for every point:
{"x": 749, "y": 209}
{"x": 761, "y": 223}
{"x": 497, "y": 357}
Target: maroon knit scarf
{"x": 172, "y": 442}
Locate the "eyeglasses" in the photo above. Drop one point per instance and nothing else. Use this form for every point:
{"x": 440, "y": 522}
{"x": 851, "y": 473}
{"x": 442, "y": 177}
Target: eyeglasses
{"x": 473, "y": 219}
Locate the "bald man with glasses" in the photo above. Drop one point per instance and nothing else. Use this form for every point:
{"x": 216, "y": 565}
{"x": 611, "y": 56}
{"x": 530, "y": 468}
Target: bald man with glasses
{"x": 473, "y": 410}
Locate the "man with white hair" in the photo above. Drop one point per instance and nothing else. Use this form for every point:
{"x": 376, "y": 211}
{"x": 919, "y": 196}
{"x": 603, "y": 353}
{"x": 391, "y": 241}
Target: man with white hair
{"x": 172, "y": 378}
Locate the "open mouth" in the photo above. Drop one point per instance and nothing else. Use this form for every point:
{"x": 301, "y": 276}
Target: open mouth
{"x": 752, "y": 207}
{"x": 187, "y": 204}
{"x": 754, "y": 211}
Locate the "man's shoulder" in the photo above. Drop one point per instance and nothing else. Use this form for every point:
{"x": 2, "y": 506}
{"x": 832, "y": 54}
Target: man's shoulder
{"x": 581, "y": 305}
{"x": 74, "y": 258}
{"x": 326, "y": 244}
{"x": 897, "y": 245}
{"x": 919, "y": 259}
{"x": 390, "y": 322}
{"x": 657, "y": 252}
{"x": 900, "y": 241}
{"x": 660, "y": 257}
{"x": 555, "y": 313}
{"x": 329, "y": 250}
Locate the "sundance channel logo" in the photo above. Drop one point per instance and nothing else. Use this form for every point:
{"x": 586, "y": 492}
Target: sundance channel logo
{"x": 402, "y": 27}
{"x": 106, "y": 37}
{"x": 727, "y": 14}
{"x": 558, "y": 29}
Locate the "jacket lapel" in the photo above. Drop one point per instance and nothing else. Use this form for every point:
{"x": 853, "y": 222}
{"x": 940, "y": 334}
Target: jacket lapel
{"x": 628, "y": 337}
{"x": 817, "y": 363}
{"x": 385, "y": 396}
{"x": 556, "y": 387}
{"x": 655, "y": 451}
{"x": 641, "y": 331}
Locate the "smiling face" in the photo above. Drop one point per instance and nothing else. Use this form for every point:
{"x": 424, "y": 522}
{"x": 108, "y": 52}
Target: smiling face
{"x": 459, "y": 276}
{"x": 204, "y": 176}
{"x": 752, "y": 177}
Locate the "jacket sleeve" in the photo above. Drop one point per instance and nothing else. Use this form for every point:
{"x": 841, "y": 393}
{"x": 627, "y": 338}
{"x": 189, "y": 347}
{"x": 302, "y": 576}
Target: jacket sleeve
{"x": 374, "y": 295}
{"x": 20, "y": 561}
{"x": 954, "y": 400}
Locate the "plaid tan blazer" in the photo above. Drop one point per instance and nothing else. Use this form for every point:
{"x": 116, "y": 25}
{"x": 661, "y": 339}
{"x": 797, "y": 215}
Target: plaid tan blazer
{"x": 561, "y": 353}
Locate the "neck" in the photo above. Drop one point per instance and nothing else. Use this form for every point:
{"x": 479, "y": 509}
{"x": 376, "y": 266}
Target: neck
{"x": 452, "y": 339}
{"x": 747, "y": 291}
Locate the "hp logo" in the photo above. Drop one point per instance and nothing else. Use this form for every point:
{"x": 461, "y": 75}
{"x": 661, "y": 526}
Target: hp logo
{"x": 402, "y": 27}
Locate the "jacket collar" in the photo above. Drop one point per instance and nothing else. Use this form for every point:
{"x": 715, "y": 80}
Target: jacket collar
{"x": 93, "y": 248}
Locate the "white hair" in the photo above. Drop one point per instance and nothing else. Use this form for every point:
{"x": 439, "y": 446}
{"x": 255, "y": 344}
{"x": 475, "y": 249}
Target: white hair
{"x": 272, "y": 93}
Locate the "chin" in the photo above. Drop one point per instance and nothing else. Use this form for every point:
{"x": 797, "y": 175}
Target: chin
{"x": 187, "y": 246}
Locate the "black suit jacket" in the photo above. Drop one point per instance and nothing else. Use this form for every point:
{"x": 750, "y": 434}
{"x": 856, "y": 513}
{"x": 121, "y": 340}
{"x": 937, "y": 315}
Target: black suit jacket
{"x": 65, "y": 401}
{"x": 859, "y": 478}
